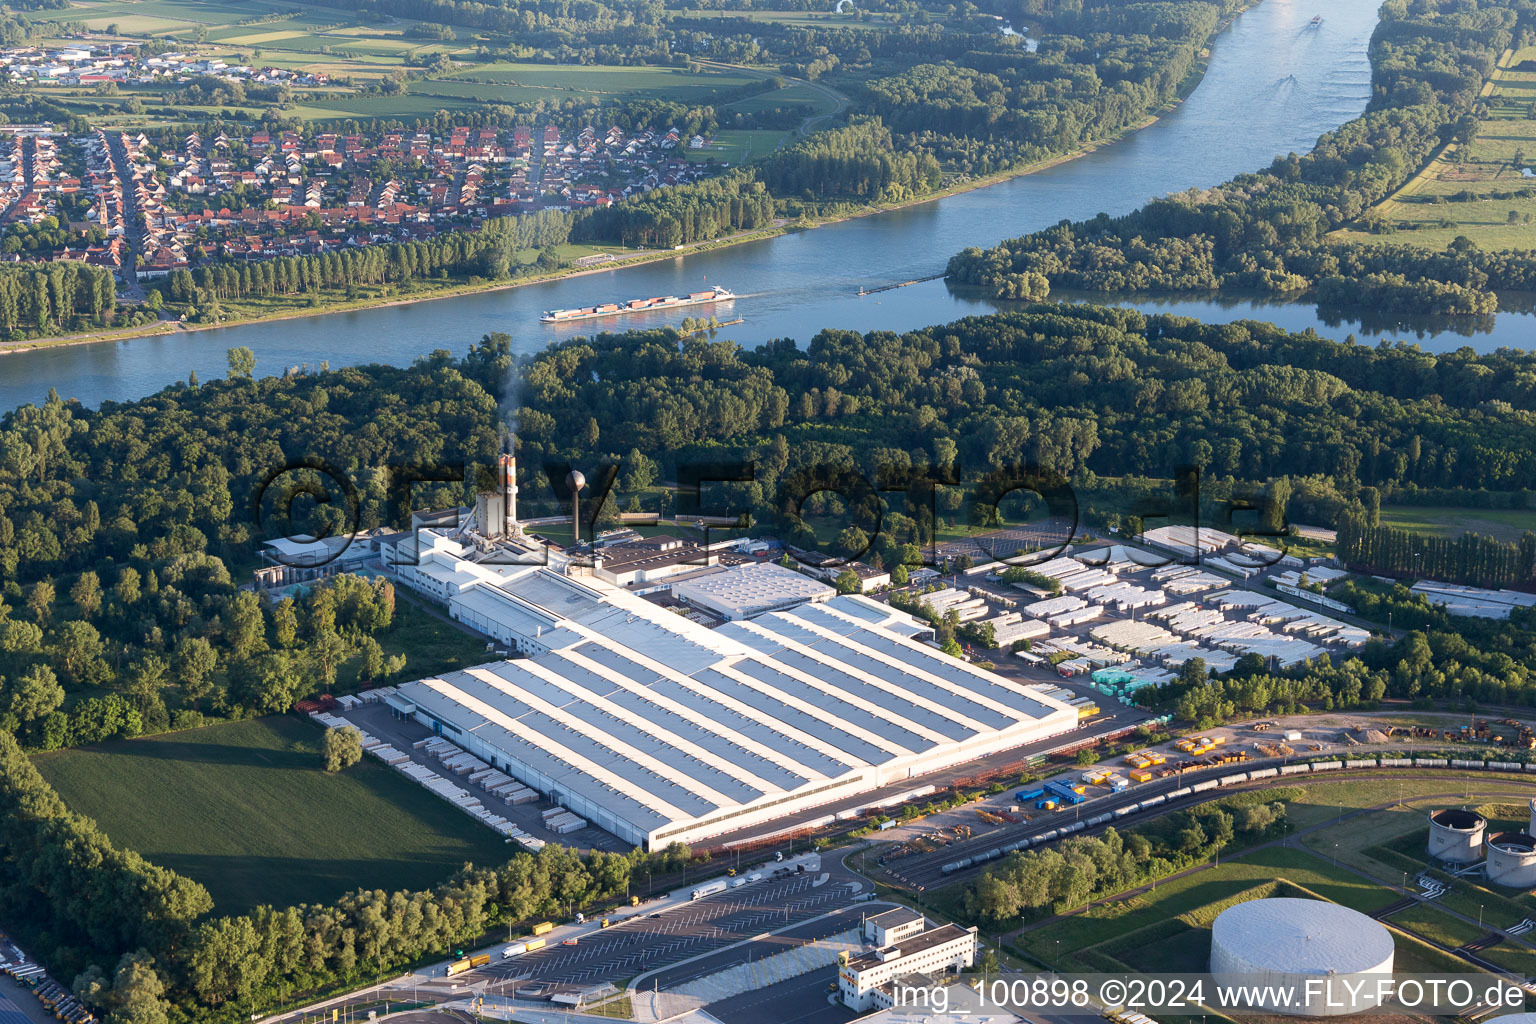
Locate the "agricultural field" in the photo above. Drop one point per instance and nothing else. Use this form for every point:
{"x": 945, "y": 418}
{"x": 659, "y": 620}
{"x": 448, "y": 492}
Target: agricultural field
{"x": 739, "y": 147}
{"x": 1500, "y": 524}
{"x": 1479, "y": 189}
{"x": 245, "y": 809}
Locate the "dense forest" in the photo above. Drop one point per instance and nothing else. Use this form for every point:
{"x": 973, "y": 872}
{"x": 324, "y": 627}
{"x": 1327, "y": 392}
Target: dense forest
{"x": 1264, "y": 232}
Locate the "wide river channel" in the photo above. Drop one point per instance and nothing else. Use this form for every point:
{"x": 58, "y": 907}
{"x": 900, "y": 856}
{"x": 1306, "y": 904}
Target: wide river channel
{"x": 1274, "y": 85}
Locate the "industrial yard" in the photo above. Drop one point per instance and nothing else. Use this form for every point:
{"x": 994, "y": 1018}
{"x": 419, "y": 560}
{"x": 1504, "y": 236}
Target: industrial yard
{"x": 1359, "y": 842}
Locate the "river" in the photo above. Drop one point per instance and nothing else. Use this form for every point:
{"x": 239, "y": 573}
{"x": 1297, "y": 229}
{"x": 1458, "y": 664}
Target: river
{"x": 1273, "y": 86}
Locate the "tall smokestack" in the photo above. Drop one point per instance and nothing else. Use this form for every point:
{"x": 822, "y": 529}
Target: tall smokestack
{"x": 575, "y": 481}
{"x": 507, "y": 467}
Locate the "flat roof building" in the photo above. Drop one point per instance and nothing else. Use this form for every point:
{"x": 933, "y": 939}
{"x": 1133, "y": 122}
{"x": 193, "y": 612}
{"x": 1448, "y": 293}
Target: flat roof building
{"x": 748, "y": 591}
{"x": 936, "y": 950}
{"x": 662, "y": 730}
{"x": 892, "y": 926}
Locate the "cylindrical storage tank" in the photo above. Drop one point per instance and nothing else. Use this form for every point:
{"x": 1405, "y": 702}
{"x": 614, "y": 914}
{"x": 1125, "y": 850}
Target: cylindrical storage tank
{"x": 1532, "y": 831}
{"x": 1287, "y": 943}
{"x": 1512, "y": 860}
{"x": 1456, "y": 836}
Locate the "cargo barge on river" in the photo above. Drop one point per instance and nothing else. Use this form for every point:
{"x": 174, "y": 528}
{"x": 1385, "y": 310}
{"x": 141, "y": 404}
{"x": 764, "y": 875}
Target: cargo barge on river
{"x": 560, "y": 316}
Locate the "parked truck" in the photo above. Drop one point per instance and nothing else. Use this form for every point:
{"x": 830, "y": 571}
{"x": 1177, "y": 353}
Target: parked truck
{"x": 709, "y": 889}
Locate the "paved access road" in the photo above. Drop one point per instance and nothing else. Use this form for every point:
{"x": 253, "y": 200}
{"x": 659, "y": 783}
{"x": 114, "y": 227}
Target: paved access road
{"x": 643, "y": 942}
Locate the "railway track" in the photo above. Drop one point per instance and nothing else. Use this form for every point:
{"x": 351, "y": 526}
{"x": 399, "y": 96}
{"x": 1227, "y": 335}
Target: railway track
{"x": 961, "y": 859}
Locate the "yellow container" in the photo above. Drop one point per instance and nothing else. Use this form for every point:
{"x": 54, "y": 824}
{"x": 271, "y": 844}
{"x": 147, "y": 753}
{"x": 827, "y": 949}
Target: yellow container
{"x": 543, "y": 928}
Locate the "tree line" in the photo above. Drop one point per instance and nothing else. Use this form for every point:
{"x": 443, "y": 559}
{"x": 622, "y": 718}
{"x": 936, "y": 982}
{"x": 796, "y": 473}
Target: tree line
{"x": 61, "y": 296}
{"x": 1063, "y": 877}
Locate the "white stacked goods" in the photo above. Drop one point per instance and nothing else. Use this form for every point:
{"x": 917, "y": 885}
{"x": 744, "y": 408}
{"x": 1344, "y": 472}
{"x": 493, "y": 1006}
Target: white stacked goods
{"x": 1126, "y": 596}
{"x": 553, "y": 812}
{"x": 1181, "y": 580}
{"x": 422, "y": 743}
{"x": 1127, "y": 635}
{"x": 1055, "y": 606}
{"x": 367, "y": 738}
{"x": 533, "y": 845}
{"x": 348, "y": 701}
{"x": 1086, "y": 579}
{"x": 329, "y": 721}
{"x": 565, "y": 827}
{"x": 415, "y": 771}
{"x": 464, "y": 764}
{"x": 388, "y": 754}
{"x": 1076, "y": 616}
{"x": 439, "y": 747}
{"x": 1027, "y": 629}
{"x": 521, "y": 795}
{"x": 970, "y": 612}
{"x": 1224, "y": 564}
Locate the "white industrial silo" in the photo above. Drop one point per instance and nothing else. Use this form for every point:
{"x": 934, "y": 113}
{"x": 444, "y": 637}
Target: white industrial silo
{"x": 1286, "y": 943}
{"x": 1456, "y": 836}
{"x": 1512, "y": 860}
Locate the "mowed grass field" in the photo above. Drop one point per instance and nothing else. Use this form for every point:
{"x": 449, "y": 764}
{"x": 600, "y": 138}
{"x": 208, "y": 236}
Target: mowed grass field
{"x": 245, "y": 809}
{"x": 1475, "y": 190}
{"x": 1501, "y": 524}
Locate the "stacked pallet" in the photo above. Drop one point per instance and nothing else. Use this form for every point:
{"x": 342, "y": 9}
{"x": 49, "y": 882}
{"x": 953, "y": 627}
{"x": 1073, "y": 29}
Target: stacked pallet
{"x": 388, "y": 754}
{"x": 514, "y": 793}
{"x": 464, "y": 764}
{"x": 438, "y": 747}
{"x": 562, "y": 822}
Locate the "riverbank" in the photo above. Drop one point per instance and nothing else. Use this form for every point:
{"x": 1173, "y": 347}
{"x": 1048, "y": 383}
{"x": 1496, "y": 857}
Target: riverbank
{"x": 432, "y": 294}
{"x": 331, "y": 305}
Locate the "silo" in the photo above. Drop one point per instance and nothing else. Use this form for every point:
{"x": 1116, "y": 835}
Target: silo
{"x": 1456, "y": 836}
{"x": 1287, "y": 944}
{"x": 1512, "y": 860}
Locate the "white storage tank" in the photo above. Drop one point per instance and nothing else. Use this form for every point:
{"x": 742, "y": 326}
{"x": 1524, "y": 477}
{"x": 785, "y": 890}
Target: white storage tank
{"x": 1456, "y": 836}
{"x": 1289, "y": 942}
{"x": 1512, "y": 860}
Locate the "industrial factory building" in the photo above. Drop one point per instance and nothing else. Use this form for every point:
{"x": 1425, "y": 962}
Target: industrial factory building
{"x": 662, "y": 730}
{"x": 1279, "y": 944}
{"x": 747, "y": 591}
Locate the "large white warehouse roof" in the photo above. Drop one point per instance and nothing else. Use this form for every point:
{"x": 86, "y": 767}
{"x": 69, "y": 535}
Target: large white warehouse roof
{"x": 662, "y": 730}
{"x": 750, "y": 590}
